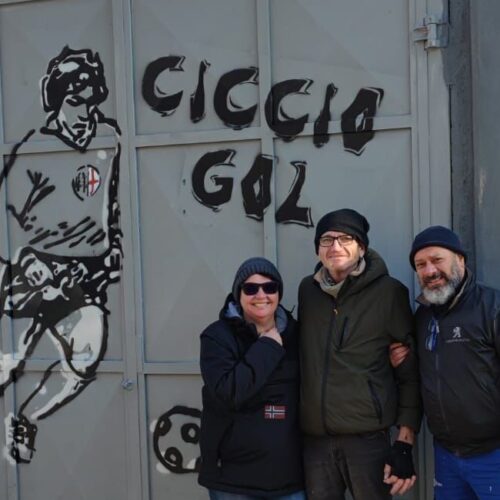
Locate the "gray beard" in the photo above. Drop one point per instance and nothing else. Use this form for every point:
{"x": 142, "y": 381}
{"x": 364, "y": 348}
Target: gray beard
{"x": 439, "y": 296}
{"x": 443, "y": 294}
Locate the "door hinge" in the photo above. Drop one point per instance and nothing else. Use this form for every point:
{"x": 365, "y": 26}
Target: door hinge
{"x": 433, "y": 31}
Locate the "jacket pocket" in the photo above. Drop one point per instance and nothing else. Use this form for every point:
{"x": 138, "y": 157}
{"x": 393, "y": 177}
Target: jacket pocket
{"x": 245, "y": 440}
{"x": 343, "y": 334}
{"x": 375, "y": 400}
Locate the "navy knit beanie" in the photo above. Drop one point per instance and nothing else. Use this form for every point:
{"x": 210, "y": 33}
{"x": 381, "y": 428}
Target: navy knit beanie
{"x": 255, "y": 265}
{"x": 436, "y": 236}
{"x": 346, "y": 221}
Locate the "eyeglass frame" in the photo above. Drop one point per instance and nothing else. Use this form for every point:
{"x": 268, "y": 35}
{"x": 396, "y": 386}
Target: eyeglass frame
{"x": 350, "y": 239}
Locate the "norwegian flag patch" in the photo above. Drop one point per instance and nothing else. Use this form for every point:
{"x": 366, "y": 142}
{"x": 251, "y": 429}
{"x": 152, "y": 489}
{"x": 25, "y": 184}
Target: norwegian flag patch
{"x": 275, "y": 412}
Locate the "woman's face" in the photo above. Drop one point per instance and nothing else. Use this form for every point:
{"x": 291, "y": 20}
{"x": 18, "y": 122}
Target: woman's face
{"x": 260, "y": 307}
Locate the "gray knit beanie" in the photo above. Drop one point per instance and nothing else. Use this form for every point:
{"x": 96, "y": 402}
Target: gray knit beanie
{"x": 255, "y": 265}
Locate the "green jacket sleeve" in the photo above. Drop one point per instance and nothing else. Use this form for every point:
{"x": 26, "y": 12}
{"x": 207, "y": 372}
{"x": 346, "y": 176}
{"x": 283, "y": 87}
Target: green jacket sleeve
{"x": 402, "y": 329}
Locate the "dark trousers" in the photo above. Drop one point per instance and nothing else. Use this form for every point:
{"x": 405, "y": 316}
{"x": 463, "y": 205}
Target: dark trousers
{"x": 355, "y": 462}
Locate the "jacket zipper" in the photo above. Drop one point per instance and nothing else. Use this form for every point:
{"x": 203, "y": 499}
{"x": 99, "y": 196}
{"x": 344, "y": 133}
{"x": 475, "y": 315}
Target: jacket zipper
{"x": 327, "y": 365}
{"x": 440, "y": 395}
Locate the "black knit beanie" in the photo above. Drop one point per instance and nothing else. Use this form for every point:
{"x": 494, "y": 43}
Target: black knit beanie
{"x": 346, "y": 221}
{"x": 436, "y": 236}
{"x": 255, "y": 265}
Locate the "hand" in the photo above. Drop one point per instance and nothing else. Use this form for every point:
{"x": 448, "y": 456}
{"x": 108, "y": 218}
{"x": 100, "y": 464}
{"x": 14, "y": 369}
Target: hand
{"x": 398, "y": 352}
{"x": 399, "y": 486}
{"x": 273, "y": 334}
{"x": 399, "y": 471}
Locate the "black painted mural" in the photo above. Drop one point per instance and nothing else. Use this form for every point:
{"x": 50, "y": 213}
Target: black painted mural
{"x": 356, "y": 125}
{"x": 57, "y": 282}
{"x": 176, "y": 437}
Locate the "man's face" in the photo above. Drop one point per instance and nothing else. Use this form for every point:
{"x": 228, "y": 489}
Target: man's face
{"x": 339, "y": 259}
{"x": 440, "y": 272}
{"x": 76, "y": 121}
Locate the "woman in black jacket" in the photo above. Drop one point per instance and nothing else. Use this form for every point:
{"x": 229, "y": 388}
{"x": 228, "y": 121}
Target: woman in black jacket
{"x": 250, "y": 441}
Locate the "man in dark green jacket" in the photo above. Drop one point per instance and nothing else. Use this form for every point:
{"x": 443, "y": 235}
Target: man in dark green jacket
{"x": 350, "y": 311}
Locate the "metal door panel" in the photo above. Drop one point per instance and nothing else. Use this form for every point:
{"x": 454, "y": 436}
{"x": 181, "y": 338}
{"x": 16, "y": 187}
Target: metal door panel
{"x": 30, "y": 37}
{"x": 173, "y": 452}
{"x": 338, "y": 179}
{"x": 78, "y": 458}
{"x": 221, "y": 32}
{"x": 351, "y": 44}
{"x": 195, "y": 285}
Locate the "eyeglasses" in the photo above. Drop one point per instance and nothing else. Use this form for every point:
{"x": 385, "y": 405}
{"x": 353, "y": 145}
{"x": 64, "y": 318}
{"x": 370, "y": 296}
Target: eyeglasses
{"x": 343, "y": 240}
{"x": 268, "y": 287}
{"x": 433, "y": 329}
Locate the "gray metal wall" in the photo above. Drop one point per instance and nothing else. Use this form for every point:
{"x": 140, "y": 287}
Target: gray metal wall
{"x": 143, "y": 163}
{"x": 485, "y": 16}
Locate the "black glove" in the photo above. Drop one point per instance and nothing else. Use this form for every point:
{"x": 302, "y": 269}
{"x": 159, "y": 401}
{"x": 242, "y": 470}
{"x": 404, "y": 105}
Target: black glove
{"x": 401, "y": 460}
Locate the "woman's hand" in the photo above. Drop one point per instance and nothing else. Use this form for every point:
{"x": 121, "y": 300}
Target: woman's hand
{"x": 273, "y": 334}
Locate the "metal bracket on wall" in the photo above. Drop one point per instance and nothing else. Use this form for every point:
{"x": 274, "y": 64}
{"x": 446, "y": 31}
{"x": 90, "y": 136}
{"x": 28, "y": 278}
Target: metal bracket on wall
{"x": 433, "y": 31}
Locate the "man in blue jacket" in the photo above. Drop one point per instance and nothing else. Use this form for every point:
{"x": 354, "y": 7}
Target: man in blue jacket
{"x": 458, "y": 332}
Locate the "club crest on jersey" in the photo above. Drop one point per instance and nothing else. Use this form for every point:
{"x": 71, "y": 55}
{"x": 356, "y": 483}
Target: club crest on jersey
{"x": 86, "y": 181}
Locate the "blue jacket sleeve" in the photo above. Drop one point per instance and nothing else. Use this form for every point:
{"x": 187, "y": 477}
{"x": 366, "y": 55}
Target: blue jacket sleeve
{"x": 233, "y": 379}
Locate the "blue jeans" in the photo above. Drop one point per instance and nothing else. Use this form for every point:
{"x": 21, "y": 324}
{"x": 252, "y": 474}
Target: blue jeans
{"x": 466, "y": 478}
{"x": 223, "y": 495}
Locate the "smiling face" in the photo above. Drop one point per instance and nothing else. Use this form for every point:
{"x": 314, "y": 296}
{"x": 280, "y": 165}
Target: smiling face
{"x": 340, "y": 260}
{"x": 440, "y": 272}
{"x": 259, "y": 308}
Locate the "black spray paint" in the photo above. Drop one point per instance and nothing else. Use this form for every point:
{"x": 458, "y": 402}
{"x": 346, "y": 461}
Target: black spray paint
{"x": 171, "y": 457}
{"x": 158, "y": 100}
{"x": 60, "y": 294}
{"x": 74, "y": 81}
{"x": 289, "y": 212}
{"x": 227, "y": 110}
{"x": 255, "y": 201}
{"x": 213, "y": 199}
{"x": 197, "y": 98}
{"x": 255, "y": 187}
{"x": 39, "y": 190}
{"x": 357, "y": 119}
{"x": 283, "y": 125}
{"x": 321, "y": 136}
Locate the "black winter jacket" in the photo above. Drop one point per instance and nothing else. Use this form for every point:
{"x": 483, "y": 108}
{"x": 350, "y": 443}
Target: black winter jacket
{"x": 250, "y": 441}
{"x": 348, "y": 385}
{"x": 461, "y": 377}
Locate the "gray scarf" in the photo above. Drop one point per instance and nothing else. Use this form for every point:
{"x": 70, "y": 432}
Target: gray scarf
{"x": 328, "y": 284}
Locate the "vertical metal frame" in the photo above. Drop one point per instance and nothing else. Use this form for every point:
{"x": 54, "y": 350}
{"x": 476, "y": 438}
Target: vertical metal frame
{"x": 431, "y": 168}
